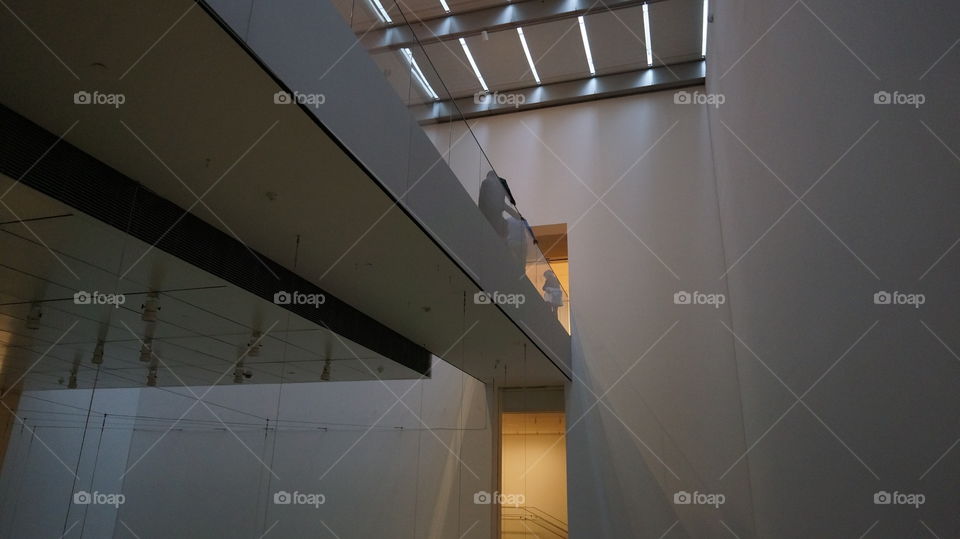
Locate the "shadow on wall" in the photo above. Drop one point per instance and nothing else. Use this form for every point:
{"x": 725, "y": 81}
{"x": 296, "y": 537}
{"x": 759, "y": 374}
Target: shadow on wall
{"x": 293, "y": 459}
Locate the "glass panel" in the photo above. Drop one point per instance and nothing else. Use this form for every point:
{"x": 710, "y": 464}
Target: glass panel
{"x": 106, "y": 437}
{"x": 414, "y": 72}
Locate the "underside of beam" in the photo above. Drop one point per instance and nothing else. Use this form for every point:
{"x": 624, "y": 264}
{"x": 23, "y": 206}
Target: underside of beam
{"x": 563, "y": 93}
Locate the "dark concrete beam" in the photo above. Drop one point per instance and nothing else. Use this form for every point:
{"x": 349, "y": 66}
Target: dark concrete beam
{"x": 564, "y": 93}
{"x": 77, "y": 179}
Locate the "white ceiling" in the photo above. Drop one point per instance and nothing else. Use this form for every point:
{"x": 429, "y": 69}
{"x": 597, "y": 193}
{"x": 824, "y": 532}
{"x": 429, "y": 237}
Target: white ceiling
{"x": 616, "y": 38}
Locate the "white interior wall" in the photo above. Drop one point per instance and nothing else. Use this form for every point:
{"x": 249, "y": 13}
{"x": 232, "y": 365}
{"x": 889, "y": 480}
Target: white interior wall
{"x": 44, "y": 466}
{"x": 799, "y": 80}
{"x": 397, "y": 479}
{"x": 670, "y": 418}
{"x": 534, "y": 465}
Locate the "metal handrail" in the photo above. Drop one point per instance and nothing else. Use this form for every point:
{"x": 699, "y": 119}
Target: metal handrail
{"x": 539, "y": 517}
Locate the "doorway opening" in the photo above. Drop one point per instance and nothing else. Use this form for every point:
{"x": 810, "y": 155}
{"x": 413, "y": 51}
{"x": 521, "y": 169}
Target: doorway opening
{"x": 533, "y": 467}
{"x": 552, "y": 240}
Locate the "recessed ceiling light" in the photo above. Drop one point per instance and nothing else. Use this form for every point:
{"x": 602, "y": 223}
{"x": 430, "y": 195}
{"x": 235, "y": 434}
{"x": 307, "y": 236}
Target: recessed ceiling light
{"x": 476, "y": 70}
{"x": 586, "y": 43}
{"x": 445, "y": 6}
{"x": 381, "y": 13}
{"x": 418, "y": 74}
{"x": 646, "y": 34}
{"x": 526, "y": 51}
{"x": 703, "y": 46}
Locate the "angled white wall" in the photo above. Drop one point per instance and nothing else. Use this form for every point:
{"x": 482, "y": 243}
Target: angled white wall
{"x": 670, "y": 416}
{"x": 883, "y": 207}
{"x": 51, "y": 457}
{"x": 385, "y": 470}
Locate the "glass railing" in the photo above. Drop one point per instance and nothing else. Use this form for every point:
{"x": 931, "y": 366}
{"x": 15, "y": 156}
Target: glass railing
{"x": 388, "y": 29}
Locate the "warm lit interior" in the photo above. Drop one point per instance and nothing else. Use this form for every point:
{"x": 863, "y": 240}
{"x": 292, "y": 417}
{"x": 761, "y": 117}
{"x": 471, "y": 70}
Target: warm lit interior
{"x": 533, "y": 475}
{"x": 552, "y": 241}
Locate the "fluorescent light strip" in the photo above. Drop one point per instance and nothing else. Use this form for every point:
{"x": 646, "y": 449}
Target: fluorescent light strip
{"x": 445, "y": 6}
{"x": 526, "y": 51}
{"x": 646, "y": 34}
{"x": 703, "y": 47}
{"x": 417, "y": 74}
{"x": 476, "y": 71}
{"x": 586, "y": 44}
{"x": 382, "y": 13}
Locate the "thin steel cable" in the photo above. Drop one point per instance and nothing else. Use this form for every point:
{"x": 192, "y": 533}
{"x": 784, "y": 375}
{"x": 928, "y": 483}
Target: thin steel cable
{"x": 93, "y": 476}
